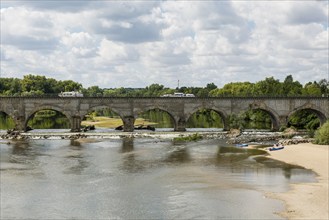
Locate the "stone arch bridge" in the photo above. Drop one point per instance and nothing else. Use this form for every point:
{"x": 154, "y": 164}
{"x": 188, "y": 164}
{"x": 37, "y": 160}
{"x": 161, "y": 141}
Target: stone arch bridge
{"x": 21, "y": 109}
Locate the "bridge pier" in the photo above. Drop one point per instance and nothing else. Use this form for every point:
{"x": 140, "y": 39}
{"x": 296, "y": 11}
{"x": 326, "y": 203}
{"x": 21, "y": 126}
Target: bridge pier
{"x": 226, "y": 123}
{"x": 180, "y": 125}
{"x": 282, "y": 122}
{"x": 20, "y": 123}
{"x": 128, "y": 123}
{"x": 76, "y": 124}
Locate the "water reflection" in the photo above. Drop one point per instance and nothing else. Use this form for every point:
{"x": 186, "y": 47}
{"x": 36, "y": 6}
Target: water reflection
{"x": 23, "y": 153}
{"x": 139, "y": 179}
{"x": 75, "y": 143}
{"x": 127, "y": 144}
{"x": 179, "y": 154}
{"x": 78, "y": 168}
{"x": 76, "y": 159}
{"x": 228, "y": 155}
{"x": 288, "y": 170}
{"x": 130, "y": 162}
{"x": 21, "y": 148}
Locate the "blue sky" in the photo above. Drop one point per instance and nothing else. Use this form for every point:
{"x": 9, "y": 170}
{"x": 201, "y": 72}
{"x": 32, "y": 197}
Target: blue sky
{"x": 137, "y": 43}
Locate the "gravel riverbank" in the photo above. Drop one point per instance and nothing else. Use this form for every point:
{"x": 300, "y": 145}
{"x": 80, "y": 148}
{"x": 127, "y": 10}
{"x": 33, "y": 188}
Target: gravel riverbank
{"x": 233, "y": 137}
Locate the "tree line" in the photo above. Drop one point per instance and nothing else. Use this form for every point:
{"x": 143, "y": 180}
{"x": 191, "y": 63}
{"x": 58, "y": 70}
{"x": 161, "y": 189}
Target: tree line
{"x": 35, "y": 85}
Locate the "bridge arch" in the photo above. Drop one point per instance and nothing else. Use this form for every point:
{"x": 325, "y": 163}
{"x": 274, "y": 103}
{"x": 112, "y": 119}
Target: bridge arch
{"x": 322, "y": 117}
{"x": 100, "y": 107}
{"x": 7, "y": 121}
{"x": 150, "y": 108}
{"x": 29, "y": 114}
{"x": 220, "y": 112}
{"x": 276, "y": 121}
{"x": 4, "y": 111}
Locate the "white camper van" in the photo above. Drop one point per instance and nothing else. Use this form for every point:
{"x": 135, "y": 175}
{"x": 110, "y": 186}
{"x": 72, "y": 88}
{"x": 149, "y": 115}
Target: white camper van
{"x": 70, "y": 94}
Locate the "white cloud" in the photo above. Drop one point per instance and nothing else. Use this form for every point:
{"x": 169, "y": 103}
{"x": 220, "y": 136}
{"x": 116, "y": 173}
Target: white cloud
{"x": 135, "y": 44}
{"x": 115, "y": 53}
{"x": 27, "y": 30}
{"x": 80, "y": 44}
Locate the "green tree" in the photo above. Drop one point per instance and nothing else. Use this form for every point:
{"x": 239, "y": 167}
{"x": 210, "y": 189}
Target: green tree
{"x": 154, "y": 90}
{"x": 291, "y": 87}
{"x": 322, "y": 134}
{"x": 312, "y": 89}
{"x": 324, "y": 85}
{"x": 269, "y": 86}
{"x": 211, "y": 86}
{"x": 69, "y": 85}
{"x": 234, "y": 89}
{"x": 93, "y": 91}
{"x": 34, "y": 84}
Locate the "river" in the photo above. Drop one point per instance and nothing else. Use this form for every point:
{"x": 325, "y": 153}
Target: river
{"x": 139, "y": 178}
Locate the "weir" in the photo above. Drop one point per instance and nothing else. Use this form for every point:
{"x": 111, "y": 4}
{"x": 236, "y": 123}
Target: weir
{"x": 179, "y": 108}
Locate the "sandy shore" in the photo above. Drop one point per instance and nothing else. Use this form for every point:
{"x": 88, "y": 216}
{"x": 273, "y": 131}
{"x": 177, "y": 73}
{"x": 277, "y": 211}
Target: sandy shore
{"x": 306, "y": 200}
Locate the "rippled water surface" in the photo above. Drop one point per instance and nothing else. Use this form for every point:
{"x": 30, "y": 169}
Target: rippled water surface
{"x": 141, "y": 178}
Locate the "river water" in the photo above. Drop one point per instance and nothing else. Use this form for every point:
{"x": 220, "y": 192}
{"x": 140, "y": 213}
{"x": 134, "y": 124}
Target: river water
{"x": 140, "y": 178}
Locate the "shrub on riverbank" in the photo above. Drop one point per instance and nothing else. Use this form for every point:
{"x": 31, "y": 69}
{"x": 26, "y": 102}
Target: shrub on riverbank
{"x": 322, "y": 134}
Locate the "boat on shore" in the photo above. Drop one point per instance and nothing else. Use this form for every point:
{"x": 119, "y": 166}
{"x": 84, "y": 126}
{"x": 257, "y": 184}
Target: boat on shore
{"x": 274, "y": 148}
{"x": 241, "y": 145}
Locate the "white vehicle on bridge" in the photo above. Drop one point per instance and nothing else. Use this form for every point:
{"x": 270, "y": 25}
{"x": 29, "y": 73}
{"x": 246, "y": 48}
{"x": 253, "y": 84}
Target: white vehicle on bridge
{"x": 189, "y": 95}
{"x": 70, "y": 94}
{"x": 178, "y": 94}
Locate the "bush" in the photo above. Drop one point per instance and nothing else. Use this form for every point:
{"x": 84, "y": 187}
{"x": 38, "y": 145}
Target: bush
{"x": 237, "y": 121}
{"x": 322, "y": 134}
{"x": 311, "y": 133}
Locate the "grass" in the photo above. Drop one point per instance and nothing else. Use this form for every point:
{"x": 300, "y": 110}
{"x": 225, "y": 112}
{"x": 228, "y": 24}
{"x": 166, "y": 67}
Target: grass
{"x": 106, "y": 122}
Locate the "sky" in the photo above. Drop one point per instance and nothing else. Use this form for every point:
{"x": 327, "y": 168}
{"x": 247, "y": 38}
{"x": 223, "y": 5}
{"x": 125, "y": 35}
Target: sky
{"x": 137, "y": 43}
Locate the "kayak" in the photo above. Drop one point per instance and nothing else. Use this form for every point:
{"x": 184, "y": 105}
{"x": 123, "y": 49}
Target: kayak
{"x": 241, "y": 145}
{"x": 276, "y": 148}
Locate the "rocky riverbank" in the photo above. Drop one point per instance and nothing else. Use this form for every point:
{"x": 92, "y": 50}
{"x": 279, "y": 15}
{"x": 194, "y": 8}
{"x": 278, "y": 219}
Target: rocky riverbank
{"x": 109, "y": 135}
{"x": 266, "y": 137}
{"x": 233, "y": 136}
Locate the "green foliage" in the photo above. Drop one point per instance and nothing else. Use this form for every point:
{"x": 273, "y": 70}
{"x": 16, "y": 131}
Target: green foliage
{"x": 233, "y": 89}
{"x": 269, "y": 86}
{"x": 6, "y": 122}
{"x": 304, "y": 119}
{"x": 192, "y": 137}
{"x": 322, "y": 134}
{"x": 310, "y": 133}
{"x": 291, "y": 87}
{"x": 211, "y": 86}
{"x": 32, "y": 85}
{"x": 257, "y": 119}
{"x": 324, "y": 87}
{"x": 237, "y": 121}
{"x": 93, "y": 91}
{"x": 161, "y": 118}
{"x": 312, "y": 89}
{"x": 47, "y": 119}
{"x": 282, "y": 128}
{"x": 153, "y": 90}
{"x": 205, "y": 118}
